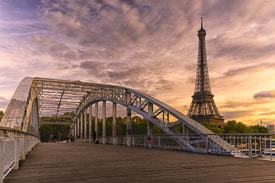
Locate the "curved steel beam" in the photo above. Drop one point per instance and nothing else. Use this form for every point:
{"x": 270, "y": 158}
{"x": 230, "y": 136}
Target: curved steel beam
{"x": 44, "y": 97}
{"x": 22, "y": 112}
{"x": 162, "y": 115}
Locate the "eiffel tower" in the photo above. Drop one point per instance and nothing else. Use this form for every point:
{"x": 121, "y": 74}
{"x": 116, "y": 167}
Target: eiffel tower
{"x": 203, "y": 107}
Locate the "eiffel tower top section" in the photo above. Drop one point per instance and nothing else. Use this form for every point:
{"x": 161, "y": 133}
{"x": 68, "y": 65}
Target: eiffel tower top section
{"x": 203, "y": 107}
{"x": 202, "y": 78}
{"x": 202, "y": 30}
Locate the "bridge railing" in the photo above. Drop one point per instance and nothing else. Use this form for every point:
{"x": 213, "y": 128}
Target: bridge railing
{"x": 252, "y": 146}
{"x": 14, "y": 145}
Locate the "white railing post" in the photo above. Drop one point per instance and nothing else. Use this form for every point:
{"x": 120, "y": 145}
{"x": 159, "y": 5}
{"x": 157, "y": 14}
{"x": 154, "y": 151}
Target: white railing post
{"x": 14, "y": 148}
{"x": 260, "y": 146}
{"x": 206, "y": 144}
{"x": 16, "y": 153}
{"x": 1, "y": 161}
{"x": 270, "y": 146}
{"x": 159, "y": 141}
{"x": 133, "y": 140}
{"x": 23, "y": 148}
{"x": 249, "y": 146}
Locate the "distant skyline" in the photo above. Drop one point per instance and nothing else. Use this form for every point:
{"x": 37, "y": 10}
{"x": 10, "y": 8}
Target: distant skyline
{"x": 147, "y": 45}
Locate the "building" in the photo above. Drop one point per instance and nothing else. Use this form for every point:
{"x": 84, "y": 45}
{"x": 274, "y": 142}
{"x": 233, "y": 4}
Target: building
{"x": 203, "y": 107}
{"x": 270, "y": 128}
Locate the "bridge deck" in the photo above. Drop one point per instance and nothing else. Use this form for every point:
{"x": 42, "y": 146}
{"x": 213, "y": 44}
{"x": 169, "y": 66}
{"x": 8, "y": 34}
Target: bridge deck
{"x": 106, "y": 163}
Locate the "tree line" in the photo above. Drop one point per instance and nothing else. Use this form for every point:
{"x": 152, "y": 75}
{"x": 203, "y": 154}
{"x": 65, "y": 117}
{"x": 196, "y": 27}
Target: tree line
{"x": 139, "y": 127}
{"x": 52, "y": 132}
{"x": 235, "y": 127}
{"x": 56, "y": 132}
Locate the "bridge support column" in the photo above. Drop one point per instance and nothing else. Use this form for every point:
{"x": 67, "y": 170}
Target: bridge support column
{"x": 185, "y": 130}
{"x": 150, "y": 125}
{"x": 81, "y": 126}
{"x": 114, "y": 125}
{"x": 85, "y": 125}
{"x": 78, "y": 128}
{"x": 90, "y": 124}
{"x": 71, "y": 133}
{"x": 96, "y": 120}
{"x": 103, "y": 122}
{"x": 75, "y": 130}
{"x": 128, "y": 120}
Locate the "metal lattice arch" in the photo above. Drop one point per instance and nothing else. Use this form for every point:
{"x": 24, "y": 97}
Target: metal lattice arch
{"x": 35, "y": 97}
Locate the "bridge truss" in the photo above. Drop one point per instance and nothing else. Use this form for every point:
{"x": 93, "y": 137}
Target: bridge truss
{"x": 36, "y": 97}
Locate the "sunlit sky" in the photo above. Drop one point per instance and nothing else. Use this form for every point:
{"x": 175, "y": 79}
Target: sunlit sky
{"x": 148, "y": 45}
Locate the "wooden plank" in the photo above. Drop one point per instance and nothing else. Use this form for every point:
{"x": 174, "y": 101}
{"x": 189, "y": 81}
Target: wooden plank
{"x": 52, "y": 162}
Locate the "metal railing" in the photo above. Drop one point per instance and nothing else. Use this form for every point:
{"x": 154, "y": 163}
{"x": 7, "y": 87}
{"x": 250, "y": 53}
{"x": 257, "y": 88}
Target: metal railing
{"x": 253, "y": 145}
{"x": 14, "y": 145}
{"x": 242, "y": 145}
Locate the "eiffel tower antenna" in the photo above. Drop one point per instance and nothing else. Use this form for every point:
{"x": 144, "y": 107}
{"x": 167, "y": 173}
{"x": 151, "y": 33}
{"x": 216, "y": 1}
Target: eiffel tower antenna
{"x": 203, "y": 107}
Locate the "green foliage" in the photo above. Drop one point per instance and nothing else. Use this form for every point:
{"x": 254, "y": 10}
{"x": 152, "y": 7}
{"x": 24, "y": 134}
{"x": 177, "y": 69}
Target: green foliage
{"x": 66, "y": 117}
{"x": 212, "y": 127}
{"x": 139, "y": 127}
{"x": 259, "y": 129}
{"x": 1, "y": 115}
{"x": 53, "y": 133}
{"x": 236, "y": 127}
{"x": 121, "y": 126}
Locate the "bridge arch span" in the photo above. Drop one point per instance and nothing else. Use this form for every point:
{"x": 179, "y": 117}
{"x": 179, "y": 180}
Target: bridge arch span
{"x": 155, "y": 111}
{"x": 36, "y": 97}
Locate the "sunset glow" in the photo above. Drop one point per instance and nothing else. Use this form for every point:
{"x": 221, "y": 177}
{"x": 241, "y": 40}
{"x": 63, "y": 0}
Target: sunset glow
{"x": 150, "y": 46}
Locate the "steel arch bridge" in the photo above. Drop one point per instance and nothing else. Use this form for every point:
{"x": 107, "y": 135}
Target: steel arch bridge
{"x": 36, "y": 97}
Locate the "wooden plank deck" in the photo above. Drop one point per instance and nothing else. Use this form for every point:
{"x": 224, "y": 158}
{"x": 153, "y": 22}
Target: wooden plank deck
{"x": 84, "y": 163}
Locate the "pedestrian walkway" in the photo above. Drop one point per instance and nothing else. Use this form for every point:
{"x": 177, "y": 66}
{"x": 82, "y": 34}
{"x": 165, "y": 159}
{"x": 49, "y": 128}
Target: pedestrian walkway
{"x": 82, "y": 163}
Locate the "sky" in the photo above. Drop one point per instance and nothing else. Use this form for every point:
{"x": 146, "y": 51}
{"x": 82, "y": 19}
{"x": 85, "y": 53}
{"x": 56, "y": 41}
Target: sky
{"x": 147, "y": 45}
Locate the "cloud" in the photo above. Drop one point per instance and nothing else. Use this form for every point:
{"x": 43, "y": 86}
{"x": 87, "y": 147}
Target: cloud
{"x": 3, "y": 102}
{"x": 241, "y": 78}
{"x": 93, "y": 68}
{"x": 236, "y": 114}
{"x": 231, "y": 104}
{"x": 268, "y": 113}
{"x": 146, "y": 45}
{"x": 249, "y": 69}
{"x": 245, "y": 49}
{"x": 130, "y": 75}
{"x": 265, "y": 94}
{"x": 118, "y": 23}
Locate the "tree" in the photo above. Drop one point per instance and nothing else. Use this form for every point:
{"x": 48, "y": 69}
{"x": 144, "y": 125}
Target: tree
{"x": 139, "y": 125}
{"x": 258, "y": 129}
{"x": 1, "y": 115}
{"x": 214, "y": 128}
{"x": 230, "y": 127}
{"x": 236, "y": 127}
{"x": 52, "y": 132}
